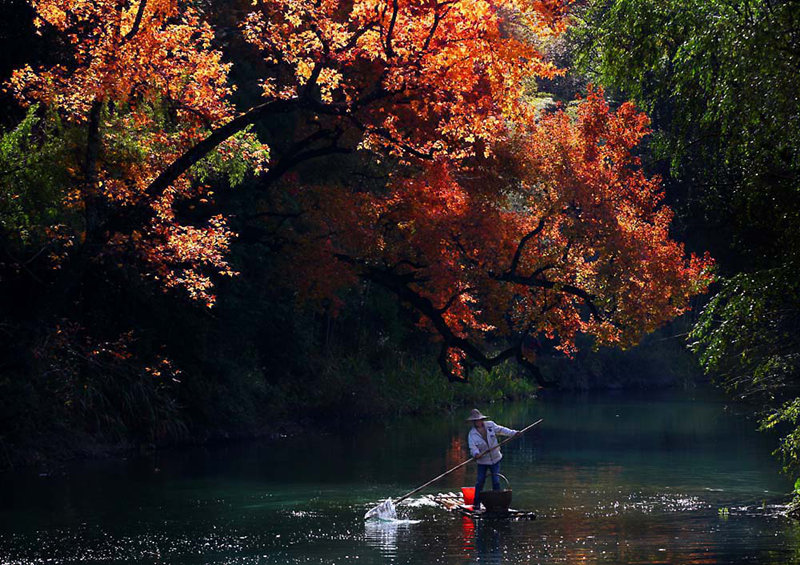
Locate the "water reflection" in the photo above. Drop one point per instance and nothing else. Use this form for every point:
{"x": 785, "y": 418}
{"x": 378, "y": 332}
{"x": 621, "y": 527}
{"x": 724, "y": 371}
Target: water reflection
{"x": 490, "y": 542}
{"x": 690, "y": 537}
{"x": 468, "y": 535}
{"x": 383, "y": 534}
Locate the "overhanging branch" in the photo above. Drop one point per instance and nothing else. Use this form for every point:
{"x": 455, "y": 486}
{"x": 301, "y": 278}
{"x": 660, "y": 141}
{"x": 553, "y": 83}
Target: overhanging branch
{"x": 218, "y": 136}
{"x": 399, "y": 285}
{"x": 535, "y": 282}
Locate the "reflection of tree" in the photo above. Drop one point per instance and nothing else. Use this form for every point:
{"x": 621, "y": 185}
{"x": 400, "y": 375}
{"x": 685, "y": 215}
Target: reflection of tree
{"x": 457, "y": 453}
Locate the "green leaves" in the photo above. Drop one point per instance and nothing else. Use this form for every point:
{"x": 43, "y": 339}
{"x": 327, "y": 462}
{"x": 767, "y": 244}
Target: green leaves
{"x": 719, "y": 78}
{"x": 749, "y": 337}
{"x": 233, "y": 160}
{"x": 31, "y": 180}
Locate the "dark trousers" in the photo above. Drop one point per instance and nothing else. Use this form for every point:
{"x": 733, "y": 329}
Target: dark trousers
{"x": 482, "y": 470}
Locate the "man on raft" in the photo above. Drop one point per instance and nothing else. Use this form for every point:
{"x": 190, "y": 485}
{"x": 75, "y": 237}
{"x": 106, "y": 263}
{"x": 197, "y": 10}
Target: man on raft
{"x": 482, "y": 437}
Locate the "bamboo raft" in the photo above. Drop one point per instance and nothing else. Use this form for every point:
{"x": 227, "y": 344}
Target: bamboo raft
{"x": 453, "y": 502}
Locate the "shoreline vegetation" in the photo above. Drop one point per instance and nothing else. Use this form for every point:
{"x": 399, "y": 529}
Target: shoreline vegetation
{"x": 345, "y": 393}
{"x": 351, "y": 388}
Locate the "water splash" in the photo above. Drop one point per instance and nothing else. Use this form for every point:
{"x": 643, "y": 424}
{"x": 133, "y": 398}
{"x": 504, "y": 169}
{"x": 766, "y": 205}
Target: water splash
{"x": 384, "y": 511}
{"x": 419, "y": 502}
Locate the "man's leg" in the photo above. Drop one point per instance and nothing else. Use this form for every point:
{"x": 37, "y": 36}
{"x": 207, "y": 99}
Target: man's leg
{"x": 479, "y": 485}
{"x": 495, "y": 469}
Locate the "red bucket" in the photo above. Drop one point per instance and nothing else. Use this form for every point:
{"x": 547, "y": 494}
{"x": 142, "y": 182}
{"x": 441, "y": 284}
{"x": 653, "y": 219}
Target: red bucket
{"x": 469, "y": 495}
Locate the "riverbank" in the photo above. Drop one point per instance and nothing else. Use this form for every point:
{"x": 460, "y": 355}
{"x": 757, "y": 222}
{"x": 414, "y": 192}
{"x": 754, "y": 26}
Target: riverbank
{"x": 342, "y": 392}
{"x": 335, "y": 388}
{"x": 233, "y": 396}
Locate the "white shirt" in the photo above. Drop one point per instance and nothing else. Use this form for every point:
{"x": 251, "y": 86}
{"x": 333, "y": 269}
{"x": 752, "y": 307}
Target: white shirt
{"x": 478, "y": 445}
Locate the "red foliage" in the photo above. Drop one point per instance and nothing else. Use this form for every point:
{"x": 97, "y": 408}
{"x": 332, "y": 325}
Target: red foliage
{"x": 495, "y": 221}
{"x": 149, "y": 70}
{"x": 558, "y": 232}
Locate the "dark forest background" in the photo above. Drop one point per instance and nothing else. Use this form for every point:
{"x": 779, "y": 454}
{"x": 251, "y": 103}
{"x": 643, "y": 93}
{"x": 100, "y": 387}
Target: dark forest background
{"x": 720, "y": 81}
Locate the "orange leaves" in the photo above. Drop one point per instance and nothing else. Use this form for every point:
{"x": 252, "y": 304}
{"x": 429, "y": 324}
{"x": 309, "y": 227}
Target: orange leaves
{"x": 494, "y": 220}
{"x": 161, "y": 86}
{"x": 614, "y": 220}
{"x": 559, "y": 232}
{"x": 167, "y": 53}
{"x": 183, "y": 256}
{"x": 441, "y": 77}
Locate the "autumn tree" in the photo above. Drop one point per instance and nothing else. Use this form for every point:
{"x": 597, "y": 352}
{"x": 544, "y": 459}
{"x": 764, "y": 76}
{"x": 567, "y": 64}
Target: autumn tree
{"x": 497, "y": 252}
{"x": 494, "y": 222}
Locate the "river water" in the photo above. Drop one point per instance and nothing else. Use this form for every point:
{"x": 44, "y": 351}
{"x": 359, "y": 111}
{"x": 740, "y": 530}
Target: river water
{"x": 622, "y": 478}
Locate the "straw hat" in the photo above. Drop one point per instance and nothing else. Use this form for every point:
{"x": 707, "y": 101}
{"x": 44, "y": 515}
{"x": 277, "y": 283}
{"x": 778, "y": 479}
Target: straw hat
{"x": 476, "y": 415}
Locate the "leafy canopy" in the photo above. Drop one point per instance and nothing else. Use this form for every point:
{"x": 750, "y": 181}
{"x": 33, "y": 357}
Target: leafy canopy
{"x": 719, "y": 79}
{"x": 496, "y": 223}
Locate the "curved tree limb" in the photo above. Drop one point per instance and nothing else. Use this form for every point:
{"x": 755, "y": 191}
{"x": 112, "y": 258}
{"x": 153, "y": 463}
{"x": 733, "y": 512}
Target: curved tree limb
{"x": 535, "y": 282}
{"x": 137, "y": 22}
{"x": 218, "y": 136}
{"x": 399, "y": 285}
{"x": 518, "y": 253}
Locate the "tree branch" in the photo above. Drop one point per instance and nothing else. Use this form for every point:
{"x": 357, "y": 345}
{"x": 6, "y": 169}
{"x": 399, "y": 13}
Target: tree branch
{"x": 218, "y": 136}
{"x": 356, "y": 36}
{"x": 535, "y": 282}
{"x": 136, "y": 22}
{"x": 390, "y": 31}
{"x": 398, "y": 284}
{"x": 518, "y": 253}
{"x": 453, "y": 298}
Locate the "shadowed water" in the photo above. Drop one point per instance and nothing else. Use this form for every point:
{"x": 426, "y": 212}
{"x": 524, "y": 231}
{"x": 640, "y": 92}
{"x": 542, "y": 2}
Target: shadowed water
{"x": 616, "y": 478}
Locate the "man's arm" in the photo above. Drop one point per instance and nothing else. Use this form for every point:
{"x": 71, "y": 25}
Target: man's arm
{"x": 500, "y": 430}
